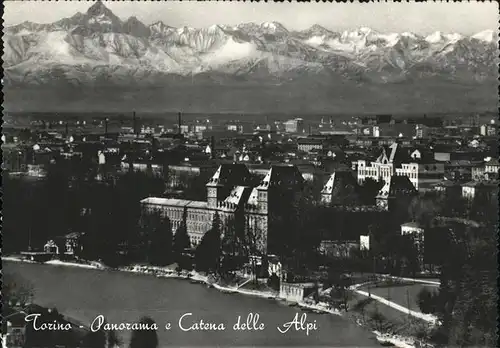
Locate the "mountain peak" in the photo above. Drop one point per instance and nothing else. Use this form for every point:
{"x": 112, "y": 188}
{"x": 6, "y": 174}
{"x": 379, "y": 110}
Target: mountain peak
{"x": 98, "y": 9}
{"x": 434, "y": 37}
{"x": 486, "y": 35}
{"x": 274, "y": 26}
{"x": 132, "y": 19}
{"x": 318, "y": 30}
{"x": 135, "y": 27}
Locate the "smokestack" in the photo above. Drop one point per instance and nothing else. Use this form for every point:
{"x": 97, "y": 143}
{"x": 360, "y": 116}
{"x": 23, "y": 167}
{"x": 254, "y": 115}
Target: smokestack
{"x": 310, "y": 130}
{"x": 134, "y": 123}
{"x": 106, "y": 127}
{"x": 212, "y": 145}
{"x": 179, "y": 122}
{"x": 66, "y": 128}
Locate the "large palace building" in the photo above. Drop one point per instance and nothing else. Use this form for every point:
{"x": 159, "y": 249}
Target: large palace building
{"x": 231, "y": 195}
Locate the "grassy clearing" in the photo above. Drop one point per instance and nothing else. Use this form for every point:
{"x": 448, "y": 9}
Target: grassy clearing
{"x": 405, "y": 294}
{"x": 376, "y": 316}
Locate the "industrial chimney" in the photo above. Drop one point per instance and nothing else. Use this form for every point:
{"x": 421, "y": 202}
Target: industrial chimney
{"x": 179, "y": 122}
{"x": 134, "y": 123}
{"x": 212, "y": 145}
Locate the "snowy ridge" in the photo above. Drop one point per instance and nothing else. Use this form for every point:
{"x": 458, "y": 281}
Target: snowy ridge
{"x": 486, "y": 36}
{"x": 132, "y": 51}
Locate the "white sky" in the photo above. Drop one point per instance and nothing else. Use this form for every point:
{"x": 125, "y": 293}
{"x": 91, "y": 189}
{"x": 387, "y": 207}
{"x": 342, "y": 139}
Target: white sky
{"x": 420, "y": 18}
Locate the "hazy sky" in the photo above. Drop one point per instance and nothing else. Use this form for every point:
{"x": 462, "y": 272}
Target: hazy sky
{"x": 421, "y": 18}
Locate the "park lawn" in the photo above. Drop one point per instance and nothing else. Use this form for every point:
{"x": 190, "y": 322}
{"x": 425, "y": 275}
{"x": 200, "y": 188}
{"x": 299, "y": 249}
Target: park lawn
{"x": 382, "y": 318}
{"x": 404, "y": 295}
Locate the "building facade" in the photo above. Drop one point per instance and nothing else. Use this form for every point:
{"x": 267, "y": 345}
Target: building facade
{"x": 422, "y": 171}
{"x": 230, "y": 195}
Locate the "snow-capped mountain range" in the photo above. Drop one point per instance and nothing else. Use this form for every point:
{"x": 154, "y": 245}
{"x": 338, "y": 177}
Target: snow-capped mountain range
{"x": 97, "y": 48}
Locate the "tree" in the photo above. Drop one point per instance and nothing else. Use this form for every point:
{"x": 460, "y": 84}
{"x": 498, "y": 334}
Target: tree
{"x": 161, "y": 248}
{"x": 253, "y": 244}
{"x": 294, "y": 231}
{"x": 232, "y": 244}
{"x": 156, "y": 238}
{"x": 145, "y": 338}
{"x": 208, "y": 253}
{"x": 340, "y": 283}
{"x": 274, "y": 282}
{"x": 16, "y": 289}
{"x": 369, "y": 190}
{"x": 407, "y": 253}
{"x": 423, "y": 209}
{"x": 181, "y": 239}
{"x": 468, "y": 296}
{"x": 427, "y": 301}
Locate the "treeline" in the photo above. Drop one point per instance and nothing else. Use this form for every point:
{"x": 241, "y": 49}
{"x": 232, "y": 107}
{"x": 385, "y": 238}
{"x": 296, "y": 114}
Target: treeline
{"x": 466, "y": 302}
{"x": 69, "y": 199}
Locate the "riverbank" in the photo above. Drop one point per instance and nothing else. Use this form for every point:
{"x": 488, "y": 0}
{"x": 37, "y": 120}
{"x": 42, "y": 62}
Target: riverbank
{"x": 195, "y": 277}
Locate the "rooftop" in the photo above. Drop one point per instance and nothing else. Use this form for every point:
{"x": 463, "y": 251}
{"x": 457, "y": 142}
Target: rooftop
{"x": 411, "y": 224}
{"x": 238, "y": 194}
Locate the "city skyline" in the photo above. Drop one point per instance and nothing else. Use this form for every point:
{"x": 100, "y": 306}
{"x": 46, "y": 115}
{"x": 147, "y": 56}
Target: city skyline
{"x": 420, "y": 18}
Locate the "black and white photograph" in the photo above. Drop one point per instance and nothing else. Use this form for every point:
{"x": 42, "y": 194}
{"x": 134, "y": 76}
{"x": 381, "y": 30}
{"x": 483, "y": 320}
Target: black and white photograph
{"x": 249, "y": 174}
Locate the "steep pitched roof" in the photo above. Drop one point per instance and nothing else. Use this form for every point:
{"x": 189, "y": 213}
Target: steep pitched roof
{"x": 338, "y": 183}
{"x": 253, "y": 198}
{"x": 493, "y": 162}
{"x": 394, "y": 153}
{"x": 395, "y": 185}
{"x": 229, "y": 174}
{"x": 281, "y": 175}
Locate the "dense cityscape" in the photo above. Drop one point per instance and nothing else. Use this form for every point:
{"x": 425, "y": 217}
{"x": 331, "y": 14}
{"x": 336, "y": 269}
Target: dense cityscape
{"x": 298, "y": 206}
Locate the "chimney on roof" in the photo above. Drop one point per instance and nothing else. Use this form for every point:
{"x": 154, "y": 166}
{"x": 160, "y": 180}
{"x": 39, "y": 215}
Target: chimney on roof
{"x": 179, "y": 122}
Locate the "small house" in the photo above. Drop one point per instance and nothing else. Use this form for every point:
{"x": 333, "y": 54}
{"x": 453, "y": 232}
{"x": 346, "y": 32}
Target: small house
{"x": 51, "y": 247}
{"x": 296, "y": 292}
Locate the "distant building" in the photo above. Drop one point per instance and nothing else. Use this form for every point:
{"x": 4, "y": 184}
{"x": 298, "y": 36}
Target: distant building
{"x": 296, "y": 292}
{"x": 294, "y": 126}
{"x": 492, "y": 166}
{"x": 309, "y": 144}
{"x": 421, "y": 131}
{"x": 380, "y": 119}
{"x": 384, "y": 166}
{"x": 449, "y": 188}
{"x": 488, "y": 130}
{"x": 474, "y": 189}
{"x": 422, "y": 170}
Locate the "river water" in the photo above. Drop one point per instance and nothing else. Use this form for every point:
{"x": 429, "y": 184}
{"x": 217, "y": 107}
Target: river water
{"x": 125, "y": 297}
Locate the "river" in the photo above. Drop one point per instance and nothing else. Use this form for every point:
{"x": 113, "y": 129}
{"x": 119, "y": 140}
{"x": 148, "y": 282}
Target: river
{"x": 125, "y": 297}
